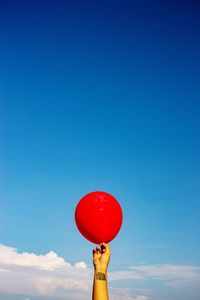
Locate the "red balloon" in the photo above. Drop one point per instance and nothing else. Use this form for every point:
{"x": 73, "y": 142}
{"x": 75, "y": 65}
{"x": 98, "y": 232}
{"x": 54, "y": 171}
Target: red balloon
{"x": 98, "y": 217}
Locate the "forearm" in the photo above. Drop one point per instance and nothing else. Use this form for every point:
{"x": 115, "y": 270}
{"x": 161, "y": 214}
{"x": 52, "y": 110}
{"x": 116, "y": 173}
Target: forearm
{"x": 100, "y": 286}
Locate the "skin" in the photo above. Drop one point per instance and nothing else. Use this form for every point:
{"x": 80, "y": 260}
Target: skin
{"x": 101, "y": 258}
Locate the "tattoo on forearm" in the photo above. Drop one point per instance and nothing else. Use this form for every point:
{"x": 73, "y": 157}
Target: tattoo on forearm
{"x": 100, "y": 276}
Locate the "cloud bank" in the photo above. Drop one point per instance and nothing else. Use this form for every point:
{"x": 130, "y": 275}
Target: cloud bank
{"x": 48, "y": 276}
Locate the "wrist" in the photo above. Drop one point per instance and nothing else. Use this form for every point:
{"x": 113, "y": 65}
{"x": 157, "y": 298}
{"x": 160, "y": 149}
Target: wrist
{"x": 101, "y": 269}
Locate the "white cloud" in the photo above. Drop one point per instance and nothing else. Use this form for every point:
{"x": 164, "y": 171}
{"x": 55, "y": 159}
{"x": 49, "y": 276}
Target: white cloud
{"x": 48, "y": 274}
{"x": 169, "y": 272}
{"x": 3, "y": 270}
{"x": 128, "y": 294}
{"x": 81, "y": 264}
{"x": 49, "y": 261}
{"x": 137, "y": 298}
{"x": 124, "y": 275}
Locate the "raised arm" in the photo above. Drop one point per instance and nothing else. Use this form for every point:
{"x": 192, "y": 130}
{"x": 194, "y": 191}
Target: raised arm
{"x": 101, "y": 258}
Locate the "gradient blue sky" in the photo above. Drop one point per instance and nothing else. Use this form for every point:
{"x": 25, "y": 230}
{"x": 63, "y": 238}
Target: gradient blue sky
{"x": 101, "y": 96}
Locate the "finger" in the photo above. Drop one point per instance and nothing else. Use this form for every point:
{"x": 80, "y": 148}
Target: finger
{"x": 103, "y": 250}
{"x": 106, "y": 246}
{"x": 98, "y": 249}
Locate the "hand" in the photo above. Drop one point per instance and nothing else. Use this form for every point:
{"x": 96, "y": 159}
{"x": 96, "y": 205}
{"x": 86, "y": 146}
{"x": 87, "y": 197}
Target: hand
{"x": 101, "y": 257}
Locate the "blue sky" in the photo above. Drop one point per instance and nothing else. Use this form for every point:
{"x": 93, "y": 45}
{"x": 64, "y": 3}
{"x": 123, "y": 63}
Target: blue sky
{"x": 102, "y": 96}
